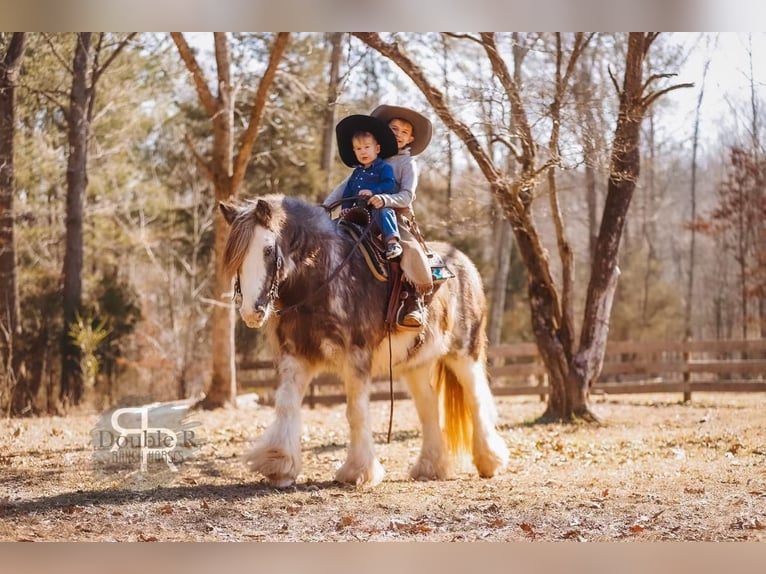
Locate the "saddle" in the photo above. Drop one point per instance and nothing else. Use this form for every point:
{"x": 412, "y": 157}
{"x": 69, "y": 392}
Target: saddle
{"x": 357, "y": 222}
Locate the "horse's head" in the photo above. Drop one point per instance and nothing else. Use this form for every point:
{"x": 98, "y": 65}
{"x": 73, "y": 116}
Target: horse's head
{"x": 252, "y": 253}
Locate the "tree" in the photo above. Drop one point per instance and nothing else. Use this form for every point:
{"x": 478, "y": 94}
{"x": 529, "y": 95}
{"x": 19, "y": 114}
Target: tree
{"x": 9, "y": 307}
{"x": 333, "y": 89}
{"x": 225, "y": 169}
{"x": 87, "y": 69}
{"x": 693, "y": 196}
{"x": 738, "y": 222}
{"x": 572, "y": 367}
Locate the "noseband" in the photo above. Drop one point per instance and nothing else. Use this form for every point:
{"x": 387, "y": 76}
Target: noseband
{"x": 273, "y": 288}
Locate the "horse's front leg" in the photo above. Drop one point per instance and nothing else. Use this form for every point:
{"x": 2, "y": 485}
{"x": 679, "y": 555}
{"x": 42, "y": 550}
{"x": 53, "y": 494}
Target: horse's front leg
{"x": 362, "y": 466}
{"x": 277, "y": 453}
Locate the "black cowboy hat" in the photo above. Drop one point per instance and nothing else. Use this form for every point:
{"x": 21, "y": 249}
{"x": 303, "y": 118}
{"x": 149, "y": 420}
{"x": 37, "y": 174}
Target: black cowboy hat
{"x": 421, "y": 125}
{"x": 350, "y": 125}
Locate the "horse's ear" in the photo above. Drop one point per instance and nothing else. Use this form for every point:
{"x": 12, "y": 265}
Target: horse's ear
{"x": 229, "y": 211}
{"x": 263, "y": 212}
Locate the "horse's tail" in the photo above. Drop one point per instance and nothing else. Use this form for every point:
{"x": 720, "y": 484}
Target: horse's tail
{"x": 457, "y": 420}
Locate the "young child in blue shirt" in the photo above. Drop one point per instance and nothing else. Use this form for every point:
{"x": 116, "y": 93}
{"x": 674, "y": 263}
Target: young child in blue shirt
{"x": 363, "y": 143}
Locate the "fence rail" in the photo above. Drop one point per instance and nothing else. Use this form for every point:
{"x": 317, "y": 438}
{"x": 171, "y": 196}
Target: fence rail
{"x": 629, "y": 367}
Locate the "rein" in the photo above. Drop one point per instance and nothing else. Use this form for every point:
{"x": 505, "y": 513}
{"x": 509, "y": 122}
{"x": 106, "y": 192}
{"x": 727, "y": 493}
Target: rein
{"x": 327, "y": 281}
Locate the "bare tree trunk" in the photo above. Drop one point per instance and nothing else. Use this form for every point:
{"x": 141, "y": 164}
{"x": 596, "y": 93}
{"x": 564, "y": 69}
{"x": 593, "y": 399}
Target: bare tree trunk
{"x": 688, "y": 315}
{"x": 502, "y": 249}
{"x": 648, "y": 230}
{"x": 85, "y": 75}
{"x": 71, "y": 388}
{"x": 624, "y": 172}
{"x": 450, "y": 175}
{"x": 590, "y": 145}
{"x": 328, "y": 134}
{"x": 9, "y": 304}
{"x": 591, "y": 197}
{"x": 226, "y": 172}
{"x": 503, "y": 239}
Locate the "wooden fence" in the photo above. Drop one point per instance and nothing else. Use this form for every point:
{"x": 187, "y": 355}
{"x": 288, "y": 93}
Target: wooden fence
{"x": 629, "y": 367}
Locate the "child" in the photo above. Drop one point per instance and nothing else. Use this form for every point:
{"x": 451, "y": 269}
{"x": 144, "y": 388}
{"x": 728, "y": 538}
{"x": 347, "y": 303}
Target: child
{"x": 413, "y": 134}
{"x": 362, "y": 143}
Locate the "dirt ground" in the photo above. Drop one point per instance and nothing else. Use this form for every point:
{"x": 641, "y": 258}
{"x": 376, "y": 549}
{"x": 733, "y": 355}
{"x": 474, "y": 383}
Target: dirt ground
{"x": 655, "y": 469}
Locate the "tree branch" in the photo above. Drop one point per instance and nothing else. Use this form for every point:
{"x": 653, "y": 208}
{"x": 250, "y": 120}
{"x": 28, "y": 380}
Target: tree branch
{"x": 203, "y": 91}
{"x": 649, "y": 99}
{"x": 248, "y": 138}
{"x": 513, "y": 149}
{"x": 462, "y": 37}
{"x": 116, "y": 52}
{"x": 15, "y": 52}
{"x": 435, "y": 98}
{"x": 223, "y": 65}
{"x": 518, "y": 114}
{"x": 207, "y": 170}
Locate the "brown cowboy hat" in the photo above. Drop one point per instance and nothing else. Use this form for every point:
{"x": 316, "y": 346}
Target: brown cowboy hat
{"x": 421, "y": 125}
{"x": 350, "y": 125}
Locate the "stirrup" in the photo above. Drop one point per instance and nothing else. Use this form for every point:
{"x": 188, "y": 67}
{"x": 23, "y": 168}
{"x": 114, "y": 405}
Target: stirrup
{"x": 412, "y": 319}
{"x": 411, "y": 314}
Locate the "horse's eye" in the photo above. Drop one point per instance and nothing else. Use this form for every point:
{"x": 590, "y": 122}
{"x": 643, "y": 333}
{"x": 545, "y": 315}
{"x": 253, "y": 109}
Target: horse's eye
{"x": 268, "y": 250}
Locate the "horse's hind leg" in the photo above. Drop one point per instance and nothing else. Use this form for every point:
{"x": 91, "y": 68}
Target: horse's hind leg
{"x": 490, "y": 453}
{"x": 277, "y": 453}
{"x": 362, "y": 466}
{"x": 434, "y": 462}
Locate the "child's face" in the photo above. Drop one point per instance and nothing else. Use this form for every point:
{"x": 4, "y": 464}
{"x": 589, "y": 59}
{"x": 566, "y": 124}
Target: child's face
{"x": 403, "y": 132}
{"x": 366, "y": 149}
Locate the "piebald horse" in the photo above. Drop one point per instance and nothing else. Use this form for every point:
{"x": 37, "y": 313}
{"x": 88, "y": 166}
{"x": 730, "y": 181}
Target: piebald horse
{"x": 304, "y": 280}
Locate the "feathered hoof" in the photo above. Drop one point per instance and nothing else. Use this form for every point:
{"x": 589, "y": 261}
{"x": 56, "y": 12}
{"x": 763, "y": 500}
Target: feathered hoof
{"x": 427, "y": 469}
{"x": 494, "y": 459}
{"x": 279, "y": 468}
{"x": 361, "y": 475}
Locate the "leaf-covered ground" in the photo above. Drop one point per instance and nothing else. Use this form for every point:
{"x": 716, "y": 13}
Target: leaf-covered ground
{"x": 655, "y": 469}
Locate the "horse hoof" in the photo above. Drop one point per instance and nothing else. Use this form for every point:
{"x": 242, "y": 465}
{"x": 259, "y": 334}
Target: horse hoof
{"x": 489, "y": 463}
{"x": 279, "y": 468}
{"x": 426, "y": 469}
{"x": 371, "y": 475}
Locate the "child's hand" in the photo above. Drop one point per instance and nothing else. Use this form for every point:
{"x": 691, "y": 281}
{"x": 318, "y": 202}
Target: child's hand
{"x": 364, "y": 193}
{"x": 376, "y": 201}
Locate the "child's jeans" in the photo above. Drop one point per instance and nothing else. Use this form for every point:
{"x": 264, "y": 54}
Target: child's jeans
{"x": 385, "y": 217}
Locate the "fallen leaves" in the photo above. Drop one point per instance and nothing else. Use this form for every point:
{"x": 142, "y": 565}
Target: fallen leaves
{"x": 652, "y": 473}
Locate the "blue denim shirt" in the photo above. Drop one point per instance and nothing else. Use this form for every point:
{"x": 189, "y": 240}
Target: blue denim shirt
{"x": 378, "y": 178}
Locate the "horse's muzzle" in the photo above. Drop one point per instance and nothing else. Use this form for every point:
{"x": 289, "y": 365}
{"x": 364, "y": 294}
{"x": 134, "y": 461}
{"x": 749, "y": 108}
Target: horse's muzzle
{"x": 257, "y": 316}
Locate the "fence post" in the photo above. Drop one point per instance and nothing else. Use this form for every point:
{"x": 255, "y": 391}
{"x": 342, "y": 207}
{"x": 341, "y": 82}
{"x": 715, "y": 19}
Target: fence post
{"x": 687, "y": 372}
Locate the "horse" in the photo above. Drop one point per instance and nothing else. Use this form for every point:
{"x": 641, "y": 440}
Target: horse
{"x": 302, "y": 279}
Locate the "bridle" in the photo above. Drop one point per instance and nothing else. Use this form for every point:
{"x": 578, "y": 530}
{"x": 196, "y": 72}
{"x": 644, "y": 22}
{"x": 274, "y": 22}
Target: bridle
{"x": 273, "y": 292}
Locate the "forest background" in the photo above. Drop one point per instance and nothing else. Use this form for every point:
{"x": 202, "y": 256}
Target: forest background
{"x": 692, "y": 252}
